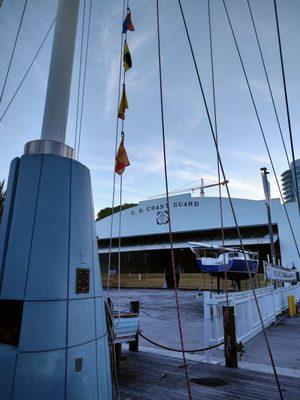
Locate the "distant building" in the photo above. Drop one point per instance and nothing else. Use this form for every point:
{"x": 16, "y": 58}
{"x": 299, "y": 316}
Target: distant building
{"x": 145, "y": 239}
{"x": 287, "y": 182}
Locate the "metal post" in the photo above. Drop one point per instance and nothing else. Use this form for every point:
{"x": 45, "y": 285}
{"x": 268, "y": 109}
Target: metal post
{"x": 207, "y": 324}
{"x": 271, "y": 235}
{"x": 60, "y": 73}
{"x": 266, "y": 186}
{"x": 230, "y": 346}
{"x": 118, "y": 352}
{"x": 135, "y": 308}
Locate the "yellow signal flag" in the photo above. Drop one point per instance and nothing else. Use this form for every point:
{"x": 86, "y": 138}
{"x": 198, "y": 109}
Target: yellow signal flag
{"x": 126, "y": 57}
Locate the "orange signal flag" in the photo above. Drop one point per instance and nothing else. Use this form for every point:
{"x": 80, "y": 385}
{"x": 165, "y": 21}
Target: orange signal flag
{"x": 123, "y": 104}
{"x": 122, "y": 160}
{"x": 127, "y": 24}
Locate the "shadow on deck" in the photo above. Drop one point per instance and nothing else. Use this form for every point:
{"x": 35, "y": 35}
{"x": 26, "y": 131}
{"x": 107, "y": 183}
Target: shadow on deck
{"x": 145, "y": 376}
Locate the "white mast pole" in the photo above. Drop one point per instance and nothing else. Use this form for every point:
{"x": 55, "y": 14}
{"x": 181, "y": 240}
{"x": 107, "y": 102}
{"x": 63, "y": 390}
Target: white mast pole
{"x": 60, "y": 73}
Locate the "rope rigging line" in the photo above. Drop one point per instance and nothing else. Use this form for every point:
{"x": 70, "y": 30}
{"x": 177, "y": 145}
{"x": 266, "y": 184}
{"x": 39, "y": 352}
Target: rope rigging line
{"x": 13, "y": 51}
{"x": 260, "y": 125}
{"x": 84, "y": 76}
{"x": 217, "y": 141}
{"x": 121, "y": 187}
{"x": 230, "y": 200}
{"x": 119, "y": 250}
{"x": 268, "y": 80}
{"x": 28, "y": 70}
{"x": 178, "y": 350}
{"x": 168, "y": 201}
{"x": 269, "y": 87}
{"x": 80, "y": 73}
{"x": 287, "y": 104}
{"x": 115, "y": 152}
{"x": 121, "y": 160}
{"x": 111, "y": 342}
{"x": 121, "y": 178}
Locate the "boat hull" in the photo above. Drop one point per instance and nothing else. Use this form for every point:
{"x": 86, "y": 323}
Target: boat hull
{"x": 235, "y": 266}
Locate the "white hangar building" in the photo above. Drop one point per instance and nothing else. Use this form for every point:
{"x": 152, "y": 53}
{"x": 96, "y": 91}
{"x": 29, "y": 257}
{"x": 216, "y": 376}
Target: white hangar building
{"x": 145, "y": 237}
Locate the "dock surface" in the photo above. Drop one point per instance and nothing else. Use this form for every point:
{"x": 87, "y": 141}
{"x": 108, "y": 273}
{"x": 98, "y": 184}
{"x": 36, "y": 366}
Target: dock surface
{"x": 145, "y": 376}
{"x": 158, "y": 321}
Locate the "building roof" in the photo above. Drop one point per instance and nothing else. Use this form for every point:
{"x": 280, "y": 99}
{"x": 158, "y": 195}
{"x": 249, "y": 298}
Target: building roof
{"x": 188, "y": 214}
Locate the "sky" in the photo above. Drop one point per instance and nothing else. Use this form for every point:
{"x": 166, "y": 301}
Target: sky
{"x": 190, "y": 150}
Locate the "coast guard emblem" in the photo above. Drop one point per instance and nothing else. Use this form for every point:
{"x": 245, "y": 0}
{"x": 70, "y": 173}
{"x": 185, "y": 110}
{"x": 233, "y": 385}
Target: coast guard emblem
{"x": 162, "y": 217}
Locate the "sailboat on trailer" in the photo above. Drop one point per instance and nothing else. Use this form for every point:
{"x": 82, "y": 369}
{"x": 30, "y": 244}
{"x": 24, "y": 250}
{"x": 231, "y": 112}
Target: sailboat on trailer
{"x": 217, "y": 259}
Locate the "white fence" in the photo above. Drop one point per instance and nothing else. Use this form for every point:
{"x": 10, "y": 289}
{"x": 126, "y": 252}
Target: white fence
{"x": 271, "y": 302}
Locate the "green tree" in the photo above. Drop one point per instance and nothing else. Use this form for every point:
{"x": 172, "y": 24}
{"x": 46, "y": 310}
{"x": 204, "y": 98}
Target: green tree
{"x": 105, "y": 212}
{"x": 2, "y": 197}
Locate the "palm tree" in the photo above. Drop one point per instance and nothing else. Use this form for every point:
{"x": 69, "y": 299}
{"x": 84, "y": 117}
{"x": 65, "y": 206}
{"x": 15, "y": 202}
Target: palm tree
{"x": 2, "y": 197}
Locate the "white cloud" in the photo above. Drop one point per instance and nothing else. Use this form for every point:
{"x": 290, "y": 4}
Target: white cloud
{"x": 237, "y": 186}
{"x": 240, "y": 154}
{"x": 148, "y": 159}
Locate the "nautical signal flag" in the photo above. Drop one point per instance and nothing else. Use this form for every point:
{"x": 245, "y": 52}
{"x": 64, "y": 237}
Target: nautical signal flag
{"x": 127, "y": 24}
{"x": 122, "y": 160}
{"x": 123, "y": 104}
{"x": 126, "y": 57}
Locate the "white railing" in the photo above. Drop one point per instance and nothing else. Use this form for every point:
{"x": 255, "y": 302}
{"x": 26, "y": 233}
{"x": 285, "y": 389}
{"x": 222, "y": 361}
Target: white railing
{"x": 271, "y": 303}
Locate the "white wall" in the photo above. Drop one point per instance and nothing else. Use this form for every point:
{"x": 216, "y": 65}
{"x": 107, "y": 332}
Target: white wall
{"x": 288, "y": 249}
{"x": 202, "y": 213}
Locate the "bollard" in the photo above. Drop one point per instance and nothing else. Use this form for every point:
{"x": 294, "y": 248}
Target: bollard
{"x": 294, "y": 304}
{"x": 135, "y": 308}
{"x": 291, "y": 306}
{"x": 118, "y": 354}
{"x": 230, "y": 346}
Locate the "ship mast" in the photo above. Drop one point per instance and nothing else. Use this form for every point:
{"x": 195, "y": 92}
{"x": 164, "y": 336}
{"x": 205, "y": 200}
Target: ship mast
{"x": 60, "y": 73}
{"x": 55, "y": 118}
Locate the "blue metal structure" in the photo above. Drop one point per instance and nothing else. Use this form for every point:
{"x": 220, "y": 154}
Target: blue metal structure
{"x": 53, "y": 333}
{"x": 58, "y": 348}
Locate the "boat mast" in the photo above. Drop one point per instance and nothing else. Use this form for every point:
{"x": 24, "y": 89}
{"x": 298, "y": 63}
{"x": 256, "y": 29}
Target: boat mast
{"x": 266, "y": 186}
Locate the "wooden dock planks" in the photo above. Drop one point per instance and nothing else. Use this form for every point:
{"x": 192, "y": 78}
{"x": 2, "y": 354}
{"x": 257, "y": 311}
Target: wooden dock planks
{"x": 145, "y": 376}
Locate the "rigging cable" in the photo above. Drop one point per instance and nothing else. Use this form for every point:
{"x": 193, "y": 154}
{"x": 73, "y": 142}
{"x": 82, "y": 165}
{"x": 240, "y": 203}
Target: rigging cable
{"x": 119, "y": 249}
{"x": 260, "y": 126}
{"x": 111, "y": 342}
{"x": 121, "y": 192}
{"x": 217, "y": 141}
{"x": 28, "y": 70}
{"x": 287, "y": 105}
{"x": 80, "y": 73}
{"x": 115, "y": 154}
{"x": 13, "y": 51}
{"x": 168, "y": 201}
{"x": 84, "y": 76}
{"x": 230, "y": 200}
{"x": 270, "y": 88}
